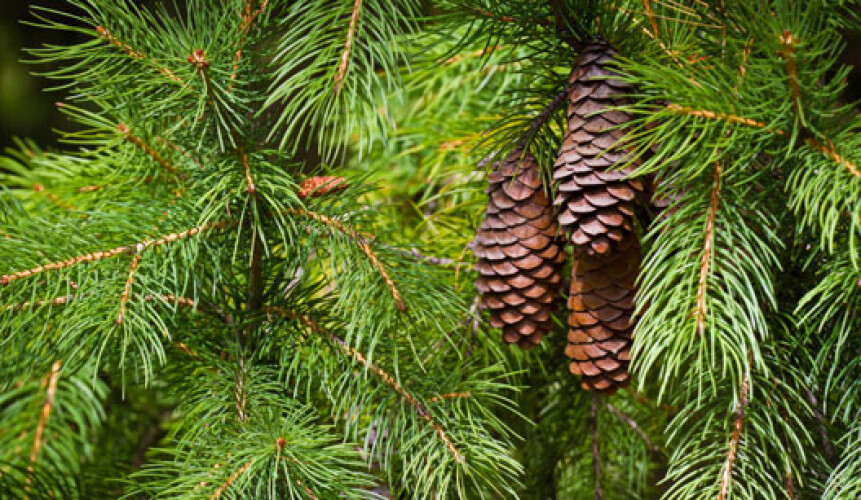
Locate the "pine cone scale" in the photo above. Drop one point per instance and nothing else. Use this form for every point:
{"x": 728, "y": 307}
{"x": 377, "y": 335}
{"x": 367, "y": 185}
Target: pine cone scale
{"x": 518, "y": 253}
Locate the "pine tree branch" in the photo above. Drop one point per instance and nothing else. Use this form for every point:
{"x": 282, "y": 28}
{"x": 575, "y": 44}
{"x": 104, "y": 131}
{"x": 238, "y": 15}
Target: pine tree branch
{"x": 127, "y": 291}
{"x": 508, "y": 19}
{"x": 230, "y": 480}
{"x": 788, "y": 55}
{"x": 126, "y": 249}
{"x": 652, "y": 20}
{"x": 348, "y": 46}
{"x": 635, "y": 427}
{"x": 361, "y": 242}
{"x": 249, "y": 17}
{"x": 249, "y": 176}
{"x": 706, "y": 258}
{"x": 596, "y": 445}
{"x": 39, "y": 188}
{"x": 125, "y": 131}
{"x": 179, "y": 150}
{"x": 828, "y": 149}
{"x": 450, "y": 395}
{"x": 540, "y": 120}
{"x": 388, "y": 379}
{"x": 50, "y": 393}
{"x": 107, "y": 35}
{"x": 827, "y": 449}
{"x": 320, "y": 185}
{"x": 726, "y": 474}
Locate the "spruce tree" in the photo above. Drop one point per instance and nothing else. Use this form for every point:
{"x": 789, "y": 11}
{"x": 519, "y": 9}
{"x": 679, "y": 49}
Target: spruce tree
{"x": 249, "y": 272}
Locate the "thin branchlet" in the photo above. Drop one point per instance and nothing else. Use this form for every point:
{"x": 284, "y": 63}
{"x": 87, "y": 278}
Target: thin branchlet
{"x": 363, "y": 245}
{"x": 732, "y": 452}
{"x": 113, "y": 40}
{"x": 113, "y": 252}
{"x": 125, "y": 131}
{"x": 341, "y": 73}
{"x": 50, "y": 394}
{"x": 387, "y": 378}
{"x": 707, "y": 255}
{"x": 827, "y": 148}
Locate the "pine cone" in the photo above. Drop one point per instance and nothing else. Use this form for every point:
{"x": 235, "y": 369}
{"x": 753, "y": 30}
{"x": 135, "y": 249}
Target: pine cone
{"x": 518, "y": 252}
{"x": 595, "y": 199}
{"x": 601, "y": 306}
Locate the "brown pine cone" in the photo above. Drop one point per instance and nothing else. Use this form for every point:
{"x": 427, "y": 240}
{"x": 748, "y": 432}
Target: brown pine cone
{"x": 519, "y": 255}
{"x": 595, "y": 201}
{"x": 601, "y": 306}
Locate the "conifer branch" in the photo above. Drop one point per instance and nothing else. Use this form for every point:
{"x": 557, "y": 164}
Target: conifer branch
{"x": 320, "y": 185}
{"x": 125, "y": 249}
{"x": 382, "y": 374}
{"x": 706, "y": 257}
{"x": 107, "y": 35}
{"x": 348, "y": 46}
{"x": 508, "y": 19}
{"x": 363, "y": 245}
{"x": 230, "y": 480}
{"x": 249, "y": 176}
{"x": 450, "y": 395}
{"x": 127, "y": 291}
{"x": 788, "y": 54}
{"x": 630, "y": 422}
{"x": 39, "y": 188}
{"x": 248, "y": 18}
{"x": 125, "y": 131}
{"x": 50, "y": 393}
{"x": 179, "y": 150}
{"x": 828, "y": 149}
{"x": 652, "y": 20}
{"x": 827, "y": 449}
{"x": 540, "y": 120}
{"x": 726, "y": 474}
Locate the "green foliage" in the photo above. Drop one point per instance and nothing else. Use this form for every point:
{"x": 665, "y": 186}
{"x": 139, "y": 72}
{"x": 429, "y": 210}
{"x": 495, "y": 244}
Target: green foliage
{"x": 178, "y": 319}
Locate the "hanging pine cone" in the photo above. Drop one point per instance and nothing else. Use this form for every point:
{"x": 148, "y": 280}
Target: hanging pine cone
{"x": 601, "y": 305}
{"x": 518, "y": 252}
{"x": 595, "y": 200}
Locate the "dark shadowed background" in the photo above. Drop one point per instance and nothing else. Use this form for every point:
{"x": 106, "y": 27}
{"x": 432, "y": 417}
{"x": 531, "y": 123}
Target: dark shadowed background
{"x": 26, "y": 110}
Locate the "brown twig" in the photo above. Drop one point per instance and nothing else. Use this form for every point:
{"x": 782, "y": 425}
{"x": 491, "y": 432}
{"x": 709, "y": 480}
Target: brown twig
{"x": 596, "y": 445}
{"x": 50, "y": 393}
{"x": 788, "y": 54}
{"x": 635, "y": 427}
{"x": 509, "y": 19}
{"x": 382, "y": 374}
{"x": 107, "y": 35}
{"x": 180, "y": 150}
{"x": 542, "y": 117}
{"x": 249, "y": 177}
{"x": 320, "y": 185}
{"x": 125, "y": 249}
{"x": 348, "y": 46}
{"x": 40, "y": 188}
{"x": 127, "y": 291}
{"x": 828, "y": 149}
{"x": 363, "y": 245}
{"x": 146, "y": 148}
{"x": 651, "y": 17}
{"x": 450, "y": 395}
{"x": 706, "y": 258}
{"x": 230, "y": 480}
{"x": 827, "y": 450}
{"x": 738, "y": 425}
{"x": 248, "y": 18}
